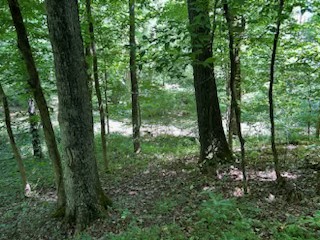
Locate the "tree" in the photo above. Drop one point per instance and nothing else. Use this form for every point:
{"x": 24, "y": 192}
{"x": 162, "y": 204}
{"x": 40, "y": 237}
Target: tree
{"x": 237, "y": 24}
{"x": 234, "y": 80}
{"x": 214, "y": 146}
{"x": 134, "y": 81}
{"x": 85, "y": 197}
{"x": 36, "y": 144}
{"x": 271, "y": 107}
{"x": 34, "y": 83}
{"x": 13, "y": 144}
{"x": 97, "y": 84}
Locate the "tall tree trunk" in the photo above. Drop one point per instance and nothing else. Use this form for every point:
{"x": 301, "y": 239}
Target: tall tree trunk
{"x": 234, "y": 76}
{"x": 280, "y": 179}
{"x": 213, "y": 144}
{"x": 238, "y": 26}
{"x": 34, "y": 83}
{"x": 85, "y": 197}
{"x": 34, "y": 130}
{"x": 13, "y": 144}
{"x": 106, "y": 100}
{"x": 134, "y": 81}
{"x": 97, "y": 86}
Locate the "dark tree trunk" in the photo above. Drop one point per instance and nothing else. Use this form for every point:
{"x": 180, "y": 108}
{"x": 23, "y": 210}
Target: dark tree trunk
{"x": 34, "y": 130}
{"x": 13, "y": 144}
{"x": 214, "y": 147}
{"x": 85, "y": 197}
{"x": 318, "y": 128}
{"x": 34, "y": 83}
{"x": 97, "y": 86}
{"x": 233, "y": 87}
{"x": 280, "y": 179}
{"x": 134, "y": 81}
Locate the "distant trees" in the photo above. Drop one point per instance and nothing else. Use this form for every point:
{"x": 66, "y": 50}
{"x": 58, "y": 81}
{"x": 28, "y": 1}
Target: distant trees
{"x": 92, "y": 47}
{"x": 214, "y": 147}
{"x": 34, "y": 130}
{"x": 85, "y": 197}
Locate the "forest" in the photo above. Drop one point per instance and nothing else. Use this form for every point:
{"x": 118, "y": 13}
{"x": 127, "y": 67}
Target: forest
{"x": 159, "y": 119}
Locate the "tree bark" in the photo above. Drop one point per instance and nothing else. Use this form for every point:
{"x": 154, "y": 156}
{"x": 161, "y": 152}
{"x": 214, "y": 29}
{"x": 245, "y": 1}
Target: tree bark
{"x": 106, "y": 100}
{"x": 280, "y": 179}
{"x": 318, "y": 128}
{"x": 97, "y": 86}
{"x": 13, "y": 144}
{"x": 134, "y": 81}
{"x": 34, "y": 83}
{"x": 36, "y": 144}
{"x": 85, "y": 197}
{"x": 234, "y": 76}
{"x": 213, "y": 145}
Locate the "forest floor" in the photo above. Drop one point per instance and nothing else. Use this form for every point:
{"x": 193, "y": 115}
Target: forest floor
{"x": 161, "y": 194}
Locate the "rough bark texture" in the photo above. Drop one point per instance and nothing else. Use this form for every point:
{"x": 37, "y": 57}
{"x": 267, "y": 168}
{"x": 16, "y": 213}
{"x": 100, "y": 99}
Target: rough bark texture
{"x": 271, "y": 108}
{"x": 34, "y": 130}
{"x": 97, "y": 85}
{"x": 85, "y": 197}
{"x": 214, "y": 146}
{"x": 134, "y": 81}
{"x": 13, "y": 144}
{"x": 34, "y": 83}
{"x": 233, "y": 87}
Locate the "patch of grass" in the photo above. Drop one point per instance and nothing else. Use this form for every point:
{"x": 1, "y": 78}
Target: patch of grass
{"x": 169, "y": 232}
{"x": 164, "y": 205}
{"x": 220, "y": 218}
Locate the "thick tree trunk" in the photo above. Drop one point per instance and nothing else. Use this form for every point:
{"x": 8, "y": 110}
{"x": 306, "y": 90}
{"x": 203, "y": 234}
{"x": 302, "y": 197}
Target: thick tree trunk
{"x": 234, "y": 76}
{"x": 134, "y": 81}
{"x": 280, "y": 179}
{"x": 13, "y": 144}
{"x": 214, "y": 147}
{"x": 34, "y": 83}
{"x": 97, "y": 86}
{"x": 85, "y": 197}
{"x": 34, "y": 130}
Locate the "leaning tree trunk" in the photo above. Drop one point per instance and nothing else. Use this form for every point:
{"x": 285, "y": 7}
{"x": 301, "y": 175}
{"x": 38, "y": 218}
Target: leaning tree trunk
{"x": 234, "y": 76}
{"x": 85, "y": 197}
{"x": 34, "y": 130}
{"x": 280, "y": 179}
{"x": 134, "y": 81}
{"x": 13, "y": 144}
{"x": 34, "y": 83}
{"x": 97, "y": 86}
{"x": 213, "y": 144}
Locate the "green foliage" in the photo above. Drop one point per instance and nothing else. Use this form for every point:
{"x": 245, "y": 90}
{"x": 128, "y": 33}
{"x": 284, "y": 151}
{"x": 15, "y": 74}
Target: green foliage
{"x": 221, "y": 218}
{"x": 166, "y": 232}
{"x": 302, "y": 228}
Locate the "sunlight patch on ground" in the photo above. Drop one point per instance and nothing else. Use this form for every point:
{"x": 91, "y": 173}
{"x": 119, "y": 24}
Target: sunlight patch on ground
{"x": 263, "y": 176}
